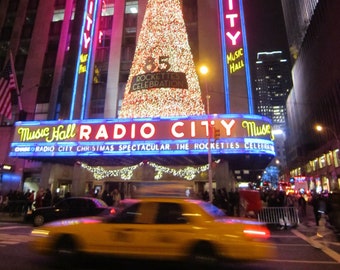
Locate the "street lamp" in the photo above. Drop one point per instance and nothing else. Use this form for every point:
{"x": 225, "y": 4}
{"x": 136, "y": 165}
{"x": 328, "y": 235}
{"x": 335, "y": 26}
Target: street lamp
{"x": 204, "y": 71}
{"x": 320, "y": 128}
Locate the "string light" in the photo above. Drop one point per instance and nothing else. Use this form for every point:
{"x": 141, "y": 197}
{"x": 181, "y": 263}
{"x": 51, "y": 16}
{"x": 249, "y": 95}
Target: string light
{"x": 188, "y": 173}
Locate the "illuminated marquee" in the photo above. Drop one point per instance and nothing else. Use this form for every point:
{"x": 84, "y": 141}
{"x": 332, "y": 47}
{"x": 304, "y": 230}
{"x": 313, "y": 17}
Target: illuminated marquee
{"x": 149, "y": 136}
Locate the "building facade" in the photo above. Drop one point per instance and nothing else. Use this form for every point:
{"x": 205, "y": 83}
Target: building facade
{"x": 73, "y": 60}
{"x": 315, "y": 97}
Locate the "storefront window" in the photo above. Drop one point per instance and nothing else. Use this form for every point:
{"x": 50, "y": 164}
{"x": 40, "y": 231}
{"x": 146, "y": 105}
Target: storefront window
{"x": 322, "y": 161}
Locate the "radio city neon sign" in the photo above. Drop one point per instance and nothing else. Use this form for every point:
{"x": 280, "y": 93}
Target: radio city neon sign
{"x": 234, "y": 36}
{"x": 88, "y": 26}
{"x": 127, "y": 131}
{"x": 233, "y": 19}
{"x": 86, "y": 36}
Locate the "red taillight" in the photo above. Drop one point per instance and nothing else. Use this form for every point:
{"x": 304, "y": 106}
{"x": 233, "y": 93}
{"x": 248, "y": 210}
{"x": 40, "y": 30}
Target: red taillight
{"x": 112, "y": 211}
{"x": 256, "y": 232}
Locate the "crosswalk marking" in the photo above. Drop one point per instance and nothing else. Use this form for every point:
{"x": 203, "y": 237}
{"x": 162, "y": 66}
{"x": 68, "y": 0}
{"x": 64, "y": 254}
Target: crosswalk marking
{"x": 13, "y": 239}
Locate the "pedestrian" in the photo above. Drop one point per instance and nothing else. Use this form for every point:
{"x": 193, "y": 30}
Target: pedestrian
{"x": 107, "y": 197}
{"x": 39, "y": 198}
{"x": 30, "y": 200}
{"x": 315, "y": 203}
{"x": 290, "y": 201}
{"x": 302, "y": 205}
{"x": 116, "y": 197}
{"x": 47, "y": 199}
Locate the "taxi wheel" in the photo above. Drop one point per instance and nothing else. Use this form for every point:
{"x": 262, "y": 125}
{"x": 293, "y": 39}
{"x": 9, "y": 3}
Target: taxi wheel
{"x": 65, "y": 251}
{"x": 204, "y": 254}
{"x": 38, "y": 220}
{"x": 65, "y": 245}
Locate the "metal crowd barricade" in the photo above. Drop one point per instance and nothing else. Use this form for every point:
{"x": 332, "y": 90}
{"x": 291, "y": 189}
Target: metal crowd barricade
{"x": 287, "y": 216}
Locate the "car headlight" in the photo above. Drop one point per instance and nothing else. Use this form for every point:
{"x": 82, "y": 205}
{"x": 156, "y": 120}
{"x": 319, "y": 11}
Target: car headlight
{"x": 40, "y": 233}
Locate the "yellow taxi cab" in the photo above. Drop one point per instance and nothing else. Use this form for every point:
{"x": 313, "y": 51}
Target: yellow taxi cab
{"x": 159, "y": 228}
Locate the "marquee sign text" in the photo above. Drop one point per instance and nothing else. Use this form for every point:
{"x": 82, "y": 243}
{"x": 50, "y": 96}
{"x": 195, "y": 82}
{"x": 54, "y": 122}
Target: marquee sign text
{"x": 177, "y": 136}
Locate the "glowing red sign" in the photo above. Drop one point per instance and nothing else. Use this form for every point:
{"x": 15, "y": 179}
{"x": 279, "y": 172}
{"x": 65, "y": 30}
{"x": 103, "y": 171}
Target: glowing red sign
{"x": 88, "y": 26}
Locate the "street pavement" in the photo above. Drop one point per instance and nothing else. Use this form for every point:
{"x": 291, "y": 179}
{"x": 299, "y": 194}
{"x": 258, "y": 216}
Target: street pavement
{"x": 321, "y": 237}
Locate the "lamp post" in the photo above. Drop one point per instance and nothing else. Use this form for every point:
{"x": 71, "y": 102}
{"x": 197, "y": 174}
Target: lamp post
{"x": 204, "y": 70}
{"x": 320, "y": 128}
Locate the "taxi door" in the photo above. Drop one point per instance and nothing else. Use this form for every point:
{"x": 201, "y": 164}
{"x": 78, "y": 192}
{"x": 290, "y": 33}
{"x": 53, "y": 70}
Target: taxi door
{"x": 147, "y": 230}
{"x": 133, "y": 232}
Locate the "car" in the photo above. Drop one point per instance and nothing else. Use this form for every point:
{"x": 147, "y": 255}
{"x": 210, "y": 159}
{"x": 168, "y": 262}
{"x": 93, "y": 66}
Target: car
{"x": 158, "y": 228}
{"x": 70, "y": 207}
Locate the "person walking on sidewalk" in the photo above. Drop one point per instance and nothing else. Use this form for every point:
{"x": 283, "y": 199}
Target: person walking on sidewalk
{"x": 315, "y": 204}
{"x": 30, "y": 200}
{"x": 319, "y": 204}
{"x": 302, "y": 206}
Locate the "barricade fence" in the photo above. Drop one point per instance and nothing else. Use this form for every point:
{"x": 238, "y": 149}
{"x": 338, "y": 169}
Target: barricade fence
{"x": 285, "y": 216}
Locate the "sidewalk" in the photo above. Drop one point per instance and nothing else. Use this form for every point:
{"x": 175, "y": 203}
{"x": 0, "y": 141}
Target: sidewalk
{"x": 9, "y": 217}
{"x": 321, "y": 237}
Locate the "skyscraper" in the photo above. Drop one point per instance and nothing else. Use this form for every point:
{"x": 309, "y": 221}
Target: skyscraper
{"x": 272, "y": 86}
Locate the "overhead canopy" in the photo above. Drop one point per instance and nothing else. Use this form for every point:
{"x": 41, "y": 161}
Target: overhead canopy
{"x": 244, "y": 141}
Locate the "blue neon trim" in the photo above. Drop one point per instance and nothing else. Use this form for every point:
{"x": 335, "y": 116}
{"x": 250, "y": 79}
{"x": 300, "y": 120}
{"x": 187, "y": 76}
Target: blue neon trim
{"x": 76, "y": 75}
{"x": 145, "y": 119}
{"x": 224, "y": 59}
{"x": 246, "y": 59}
{"x": 88, "y": 65}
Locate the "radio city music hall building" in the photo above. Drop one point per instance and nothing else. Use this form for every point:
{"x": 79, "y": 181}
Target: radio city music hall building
{"x": 119, "y": 96}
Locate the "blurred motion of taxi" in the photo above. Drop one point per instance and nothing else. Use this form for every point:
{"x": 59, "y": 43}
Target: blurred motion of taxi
{"x": 159, "y": 228}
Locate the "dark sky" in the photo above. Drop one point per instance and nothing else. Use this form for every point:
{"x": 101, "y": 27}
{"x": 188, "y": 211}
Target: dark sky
{"x": 265, "y": 27}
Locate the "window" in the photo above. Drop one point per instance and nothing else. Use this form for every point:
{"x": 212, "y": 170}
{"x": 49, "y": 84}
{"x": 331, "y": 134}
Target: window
{"x": 170, "y": 213}
{"x": 77, "y": 203}
{"x": 63, "y": 205}
{"x": 129, "y": 214}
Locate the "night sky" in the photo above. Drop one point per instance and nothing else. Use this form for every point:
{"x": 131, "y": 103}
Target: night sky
{"x": 265, "y": 27}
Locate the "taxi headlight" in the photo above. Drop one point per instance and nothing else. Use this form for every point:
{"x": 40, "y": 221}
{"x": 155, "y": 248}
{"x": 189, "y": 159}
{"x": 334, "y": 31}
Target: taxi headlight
{"x": 40, "y": 233}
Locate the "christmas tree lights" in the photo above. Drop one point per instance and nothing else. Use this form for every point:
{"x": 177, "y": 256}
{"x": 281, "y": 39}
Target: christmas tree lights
{"x": 163, "y": 79}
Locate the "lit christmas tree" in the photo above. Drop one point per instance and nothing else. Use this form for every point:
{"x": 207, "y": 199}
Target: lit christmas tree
{"x": 163, "y": 80}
